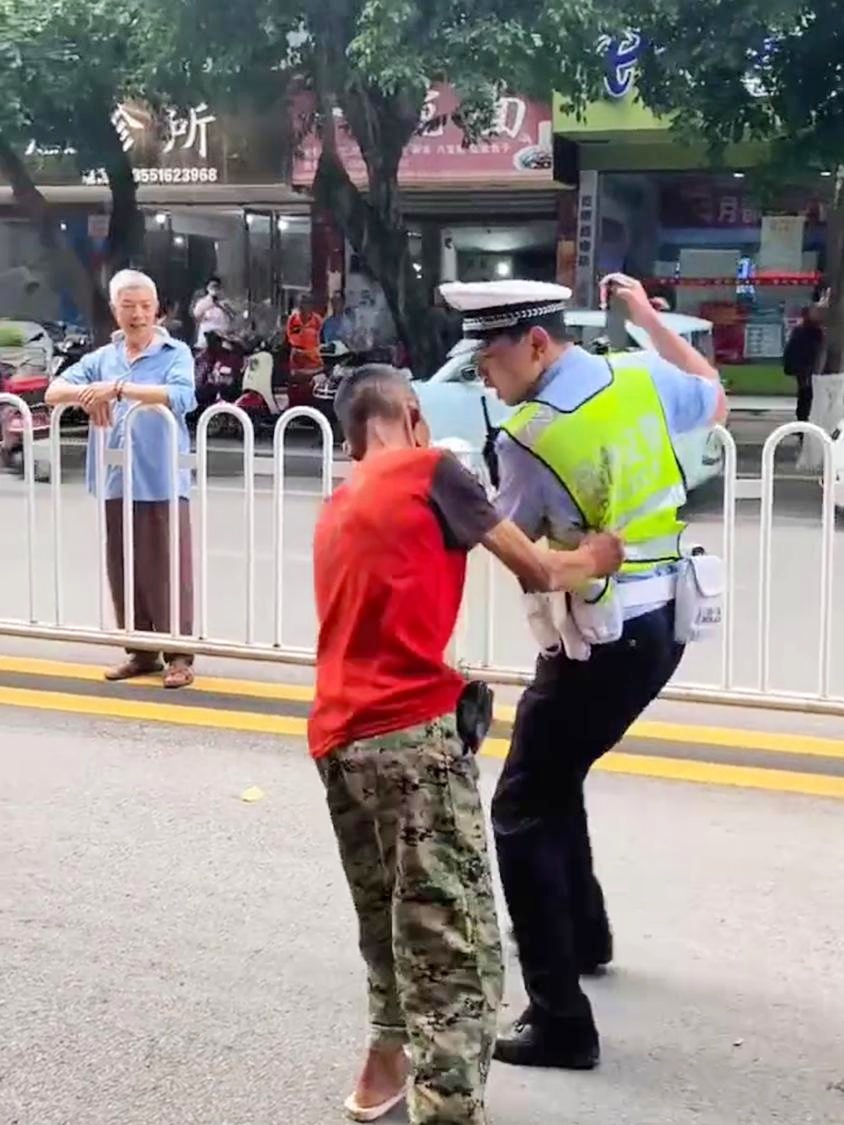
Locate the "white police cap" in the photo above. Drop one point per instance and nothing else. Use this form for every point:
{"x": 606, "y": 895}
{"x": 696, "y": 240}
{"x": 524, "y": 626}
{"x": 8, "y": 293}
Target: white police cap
{"x": 492, "y": 306}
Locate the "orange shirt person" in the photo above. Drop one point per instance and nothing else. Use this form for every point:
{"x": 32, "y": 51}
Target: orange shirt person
{"x": 304, "y": 329}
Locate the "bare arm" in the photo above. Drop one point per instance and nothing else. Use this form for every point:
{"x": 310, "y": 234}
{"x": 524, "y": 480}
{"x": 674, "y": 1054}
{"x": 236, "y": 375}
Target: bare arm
{"x": 540, "y": 569}
{"x": 62, "y": 393}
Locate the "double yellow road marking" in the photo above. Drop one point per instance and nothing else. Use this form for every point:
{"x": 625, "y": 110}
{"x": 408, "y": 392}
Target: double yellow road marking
{"x": 51, "y": 690}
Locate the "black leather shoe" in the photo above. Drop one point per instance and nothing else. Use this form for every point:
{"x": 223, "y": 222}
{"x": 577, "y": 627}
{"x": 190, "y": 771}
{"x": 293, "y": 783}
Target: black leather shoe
{"x": 530, "y": 1044}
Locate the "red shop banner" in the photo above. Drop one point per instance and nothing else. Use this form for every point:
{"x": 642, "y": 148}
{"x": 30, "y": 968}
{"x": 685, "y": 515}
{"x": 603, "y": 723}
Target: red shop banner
{"x": 518, "y": 149}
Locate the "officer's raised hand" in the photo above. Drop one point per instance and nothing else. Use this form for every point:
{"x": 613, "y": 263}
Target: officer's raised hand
{"x": 632, "y": 295}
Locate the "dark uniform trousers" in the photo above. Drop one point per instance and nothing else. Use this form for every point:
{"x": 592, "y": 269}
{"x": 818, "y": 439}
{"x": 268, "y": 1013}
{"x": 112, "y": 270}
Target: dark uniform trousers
{"x": 572, "y": 714}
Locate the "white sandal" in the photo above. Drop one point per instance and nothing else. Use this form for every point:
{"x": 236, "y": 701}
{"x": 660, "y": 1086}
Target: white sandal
{"x": 357, "y": 1112}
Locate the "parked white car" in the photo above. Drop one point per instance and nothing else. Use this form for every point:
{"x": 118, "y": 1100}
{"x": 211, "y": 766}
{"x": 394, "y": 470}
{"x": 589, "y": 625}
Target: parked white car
{"x": 452, "y": 399}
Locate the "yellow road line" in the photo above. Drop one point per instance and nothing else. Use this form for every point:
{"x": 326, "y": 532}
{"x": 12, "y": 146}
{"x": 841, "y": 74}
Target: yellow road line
{"x": 707, "y": 773}
{"x": 178, "y": 714}
{"x": 248, "y": 722}
{"x": 735, "y": 738}
{"x": 214, "y": 685}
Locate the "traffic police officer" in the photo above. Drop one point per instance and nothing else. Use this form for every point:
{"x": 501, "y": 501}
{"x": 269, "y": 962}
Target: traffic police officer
{"x": 589, "y": 448}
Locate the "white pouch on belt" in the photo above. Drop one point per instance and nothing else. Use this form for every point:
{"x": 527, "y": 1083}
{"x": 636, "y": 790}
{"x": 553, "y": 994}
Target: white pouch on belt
{"x": 699, "y": 602}
{"x": 541, "y": 623}
{"x": 552, "y": 626}
{"x": 597, "y": 612}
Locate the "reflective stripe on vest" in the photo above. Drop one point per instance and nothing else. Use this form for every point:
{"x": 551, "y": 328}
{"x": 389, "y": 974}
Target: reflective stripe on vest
{"x": 614, "y": 456}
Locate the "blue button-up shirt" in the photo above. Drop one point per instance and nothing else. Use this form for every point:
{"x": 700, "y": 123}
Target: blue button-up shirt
{"x": 166, "y": 362}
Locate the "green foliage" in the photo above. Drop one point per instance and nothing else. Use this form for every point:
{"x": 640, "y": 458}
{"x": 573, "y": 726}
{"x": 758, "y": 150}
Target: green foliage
{"x": 766, "y": 70}
{"x": 65, "y": 65}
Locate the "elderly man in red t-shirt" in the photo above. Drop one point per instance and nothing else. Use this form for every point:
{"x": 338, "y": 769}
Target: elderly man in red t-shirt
{"x": 401, "y": 779}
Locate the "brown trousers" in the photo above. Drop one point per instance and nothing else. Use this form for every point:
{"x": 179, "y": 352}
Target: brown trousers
{"x": 152, "y": 569}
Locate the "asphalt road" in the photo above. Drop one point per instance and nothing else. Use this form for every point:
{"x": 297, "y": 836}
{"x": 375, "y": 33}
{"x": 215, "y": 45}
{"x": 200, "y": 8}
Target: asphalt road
{"x": 796, "y": 569}
{"x": 173, "y": 955}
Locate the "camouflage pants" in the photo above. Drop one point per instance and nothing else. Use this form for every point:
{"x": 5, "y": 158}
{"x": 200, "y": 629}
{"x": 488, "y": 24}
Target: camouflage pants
{"x": 407, "y": 816}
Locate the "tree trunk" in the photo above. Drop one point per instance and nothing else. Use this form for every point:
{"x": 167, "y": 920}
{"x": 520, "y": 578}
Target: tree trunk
{"x": 69, "y": 271}
{"x": 373, "y": 223}
{"x": 126, "y": 227}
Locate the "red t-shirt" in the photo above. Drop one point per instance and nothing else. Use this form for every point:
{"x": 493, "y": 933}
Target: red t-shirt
{"x": 390, "y": 564}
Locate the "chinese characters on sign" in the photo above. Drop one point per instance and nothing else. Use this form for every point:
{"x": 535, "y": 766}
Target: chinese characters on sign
{"x": 183, "y": 137}
{"x": 517, "y": 147}
{"x": 587, "y": 221}
{"x": 193, "y": 129}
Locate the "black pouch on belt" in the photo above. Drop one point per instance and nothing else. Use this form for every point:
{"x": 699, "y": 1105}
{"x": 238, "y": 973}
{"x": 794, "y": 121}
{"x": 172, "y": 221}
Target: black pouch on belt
{"x": 474, "y": 715}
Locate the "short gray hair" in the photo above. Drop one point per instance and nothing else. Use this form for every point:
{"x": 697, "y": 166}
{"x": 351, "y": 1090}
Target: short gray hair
{"x": 130, "y": 279}
{"x": 376, "y": 390}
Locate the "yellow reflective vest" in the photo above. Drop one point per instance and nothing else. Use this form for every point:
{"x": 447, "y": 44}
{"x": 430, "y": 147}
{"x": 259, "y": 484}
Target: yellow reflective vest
{"x": 614, "y": 456}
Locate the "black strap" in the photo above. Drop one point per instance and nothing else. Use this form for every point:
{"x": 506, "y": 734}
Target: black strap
{"x": 490, "y": 452}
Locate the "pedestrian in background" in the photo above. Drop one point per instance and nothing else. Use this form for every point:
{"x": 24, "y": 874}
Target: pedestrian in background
{"x": 304, "y": 329}
{"x": 802, "y": 357}
{"x": 338, "y": 327}
{"x": 212, "y": 312}
{"x": 394, "y": 731}
{"x": 142, "y": 364}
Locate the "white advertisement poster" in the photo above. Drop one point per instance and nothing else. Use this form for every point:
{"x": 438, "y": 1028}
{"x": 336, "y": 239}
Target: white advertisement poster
{"x": 781, "y": 245}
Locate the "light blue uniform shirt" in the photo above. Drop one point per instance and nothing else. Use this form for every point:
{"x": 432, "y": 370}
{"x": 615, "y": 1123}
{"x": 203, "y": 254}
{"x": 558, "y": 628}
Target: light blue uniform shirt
{"x": 532, "y": 496}
{"x": 166, "y": 362}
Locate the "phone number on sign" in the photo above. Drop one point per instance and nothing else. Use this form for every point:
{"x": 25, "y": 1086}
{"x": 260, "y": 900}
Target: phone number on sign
{"x": 159, "y": 176}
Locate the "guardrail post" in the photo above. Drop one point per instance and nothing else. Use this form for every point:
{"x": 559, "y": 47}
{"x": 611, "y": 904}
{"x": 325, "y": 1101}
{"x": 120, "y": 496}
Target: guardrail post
{"x": 765, "y": 552}
{"x": 18, "y": 404}
{"x": 278, "y": 497}
{"x": 249, "y": 510}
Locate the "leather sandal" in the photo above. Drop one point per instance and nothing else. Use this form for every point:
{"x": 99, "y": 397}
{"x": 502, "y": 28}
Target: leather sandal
{"x": 132, "y": 669}
{"x": 178, "y": 676}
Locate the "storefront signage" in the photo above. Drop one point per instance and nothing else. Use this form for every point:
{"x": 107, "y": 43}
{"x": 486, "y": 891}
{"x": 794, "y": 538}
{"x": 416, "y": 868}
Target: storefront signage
{"x": 587, "y": 229}
{"x": 193, "y": 146}
{"x": 621, "y": 57}
{"x": 518, "y": 148}
{"x": 186, "y": 136}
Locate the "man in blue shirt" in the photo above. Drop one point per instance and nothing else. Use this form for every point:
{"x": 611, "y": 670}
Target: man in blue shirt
{"x": 577, "y": 708}
{"x": 143, "y": 364}
{"x": 337, "y": 327}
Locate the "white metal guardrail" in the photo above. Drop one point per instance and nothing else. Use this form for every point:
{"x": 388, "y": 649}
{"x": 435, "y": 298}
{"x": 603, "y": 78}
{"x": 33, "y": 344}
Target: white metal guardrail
{"x": 726, "y": 691}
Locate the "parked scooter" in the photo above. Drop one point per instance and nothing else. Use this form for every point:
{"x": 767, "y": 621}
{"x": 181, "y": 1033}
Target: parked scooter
{"x": 220, "y": 366}
{"x": 339, "y": 361}
{"x": 266, "y": 387}
{"x": 68, "y": 351}
{"x": 31, "y": 386}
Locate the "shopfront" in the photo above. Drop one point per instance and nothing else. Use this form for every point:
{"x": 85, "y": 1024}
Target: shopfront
{"x": 704, "y": 239}
{"x": 215, "y": 198}
{"x": 475, "y": 211}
